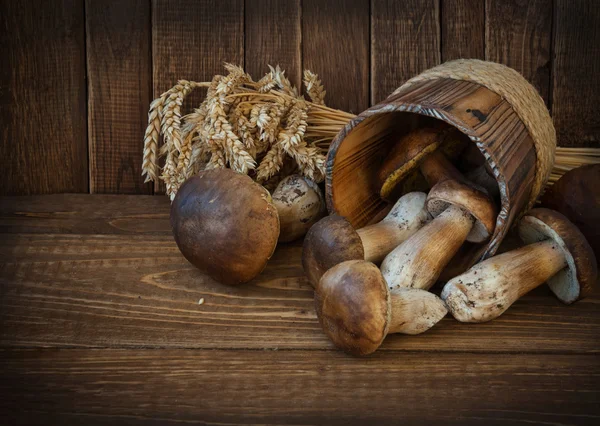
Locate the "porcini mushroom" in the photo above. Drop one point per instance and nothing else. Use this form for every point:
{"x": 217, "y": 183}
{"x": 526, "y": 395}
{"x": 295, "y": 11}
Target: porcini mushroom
{"x": 461, "y": 212}
{"x": 425, "y": 150}
{"x": 577, "y": 195}
{"x": 557, "y": 253}
{"x": 419, "y": 150}
{"x": 300, "y": 204}
{"x": 225, "y": 224}
{"x": 356, "y": 309}
{"x": 333, "y": 239}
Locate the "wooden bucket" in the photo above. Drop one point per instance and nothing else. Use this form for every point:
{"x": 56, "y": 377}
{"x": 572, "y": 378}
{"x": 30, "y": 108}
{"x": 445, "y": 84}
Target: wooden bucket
{"x": 493, "y": 105}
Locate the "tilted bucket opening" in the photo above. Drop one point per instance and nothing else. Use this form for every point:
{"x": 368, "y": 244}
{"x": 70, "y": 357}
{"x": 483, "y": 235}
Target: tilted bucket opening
{"x": 359, "y": 150}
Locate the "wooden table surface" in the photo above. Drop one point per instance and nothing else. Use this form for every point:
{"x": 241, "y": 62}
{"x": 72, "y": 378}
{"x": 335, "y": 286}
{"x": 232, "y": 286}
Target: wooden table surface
{"x": 101, "y": 325}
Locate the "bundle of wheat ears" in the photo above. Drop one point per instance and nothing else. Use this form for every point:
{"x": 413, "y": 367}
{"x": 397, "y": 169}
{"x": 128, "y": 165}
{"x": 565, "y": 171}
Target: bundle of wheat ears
{"x": 265, "y": 129}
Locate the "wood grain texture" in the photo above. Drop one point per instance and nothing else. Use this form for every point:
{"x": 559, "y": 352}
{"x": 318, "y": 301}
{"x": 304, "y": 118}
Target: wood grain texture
{"x": 135, "y": 387}
{"x": 463, "y": 29}
{"x": 518, "y": 34}
{"x": 273, "y": 36}
{"x": 191, "y": 40}
{"x": 42, "y": 97}
{"x": 576, "y": 67}
{"x": 133, "y": 288}
{"x": 335, "y": 45}
{"x": 119, "y": 90}
{"x": 82, "y": 214}
{"x": 405, "y": 40}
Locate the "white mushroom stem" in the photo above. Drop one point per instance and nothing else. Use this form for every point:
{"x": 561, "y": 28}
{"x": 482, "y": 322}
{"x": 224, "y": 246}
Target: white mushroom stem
{"x": 489, "y": 288}
{"x": 418, "y": 262}
{"x": 415, "y": 311}
{"x": 406, "y": 217}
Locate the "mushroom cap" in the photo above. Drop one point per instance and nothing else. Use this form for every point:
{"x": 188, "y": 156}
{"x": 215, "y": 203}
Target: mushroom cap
{"x": 353, "y": 306}
{"x": 225, "y": 224}
{"x": 577, "y": 280}
{"x": 406, "y": 155}
{"x": 468, "y": 198}
{"x": 330, "y": 241}
{"x": 300, "y": 204}
{"x": 577, "y": 195}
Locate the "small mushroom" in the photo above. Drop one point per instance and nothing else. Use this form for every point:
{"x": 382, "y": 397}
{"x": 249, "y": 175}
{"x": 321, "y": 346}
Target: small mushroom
{"x": 333, "y": 239}
{"x": 419, "y": 150}
{"x": 577, "y": 195}
{"x": 427, "y": 150}
{"x": 557, "y": 253}
{"x": 356, "y": 309}
{"x": 300, "y": 204}
{"x": 225, "y": 224}
{"x": 461, "y": 212}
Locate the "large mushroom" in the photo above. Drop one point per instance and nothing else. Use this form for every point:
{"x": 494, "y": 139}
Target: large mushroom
{"x": 577, "y": 195}
{"x": 300, "y": 204}
{"x": 225, "y": 224}
{"x": 333, "y": 239}
{"x": 356, "y": 310}
{"x": 461, "y": 213}
{"x": 556, "y": 253}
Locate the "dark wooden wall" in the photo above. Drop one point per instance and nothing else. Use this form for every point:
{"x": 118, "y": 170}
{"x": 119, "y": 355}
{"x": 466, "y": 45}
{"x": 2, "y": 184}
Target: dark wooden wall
{"x": 76, "y": 76}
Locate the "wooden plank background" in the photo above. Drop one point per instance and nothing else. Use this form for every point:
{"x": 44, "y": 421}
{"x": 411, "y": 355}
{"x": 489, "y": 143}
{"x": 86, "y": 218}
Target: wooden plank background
{"x": 76, "y": 76}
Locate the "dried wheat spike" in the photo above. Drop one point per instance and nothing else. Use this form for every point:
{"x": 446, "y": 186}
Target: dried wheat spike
{"x": 314, "y": 88}
{"x": 271, "y": 163}
{"x": 149, "y": 166}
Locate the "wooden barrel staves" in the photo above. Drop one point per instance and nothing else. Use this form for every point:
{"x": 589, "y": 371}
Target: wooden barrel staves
{"x": 493, "y": 105}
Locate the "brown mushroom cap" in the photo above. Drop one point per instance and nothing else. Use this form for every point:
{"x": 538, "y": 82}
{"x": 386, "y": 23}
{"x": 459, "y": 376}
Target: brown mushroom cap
{"x": 406, "y": 156}
{"x": 577, "y": 280}
{"x": 225, "y": 224}
{"x": 354, "y": 307}
{"x": 330, "y": 241}
{"x": 468, "y": 198}
{"x": 577, "y": 195}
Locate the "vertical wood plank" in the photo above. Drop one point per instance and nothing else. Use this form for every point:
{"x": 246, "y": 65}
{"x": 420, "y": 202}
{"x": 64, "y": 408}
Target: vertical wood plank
{"x": 576, "y": 73}
{"x": 191, "y": 40}
{"x": 42, "y": 97}
{"x": 273, "y": 37}
{"x": 405, "y": 40}
{"x": 518, "y": 34}
{"x": 338, "y": 50}
{"x": 463, "y": 29}
{"x": 118, "y": 63}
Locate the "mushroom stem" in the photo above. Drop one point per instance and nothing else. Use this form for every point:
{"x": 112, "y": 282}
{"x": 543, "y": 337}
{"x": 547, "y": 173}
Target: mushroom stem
{"x": 418, "y": 261}
{"x": 436, "y": 167}
{"x": 415, "y": 311}
{"x": 381, "y": 238}
{"x": 492, "y": 286}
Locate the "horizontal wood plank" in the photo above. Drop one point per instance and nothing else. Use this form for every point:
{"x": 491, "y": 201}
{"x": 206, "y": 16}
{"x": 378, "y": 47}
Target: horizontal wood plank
{"x": 84, "y": 214}
{"x": 129, "y": 286}
{"x": 135, "y": 387}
